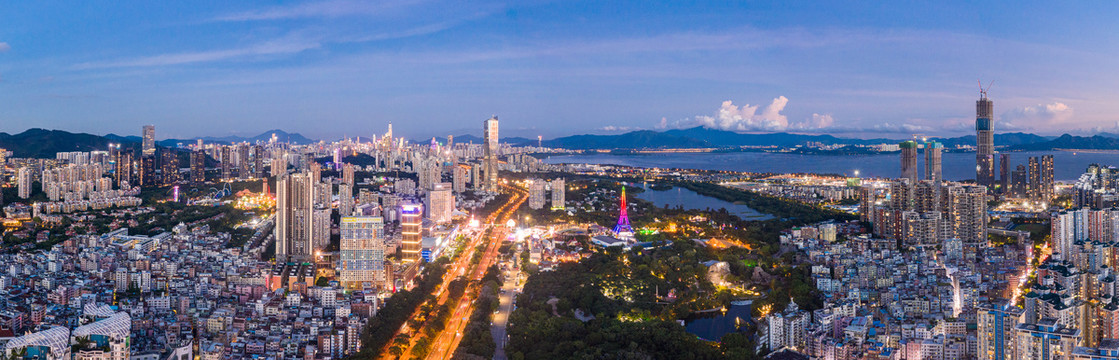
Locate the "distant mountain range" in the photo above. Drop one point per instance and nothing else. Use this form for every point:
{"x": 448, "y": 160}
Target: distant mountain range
{"x": 281, "y": 136}
{"x": 698, "y": 137}
{"x": 45, "y": 143}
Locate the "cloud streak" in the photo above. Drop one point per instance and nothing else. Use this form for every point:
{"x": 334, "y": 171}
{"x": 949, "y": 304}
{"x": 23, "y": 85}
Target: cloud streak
{"x": 328, "y": 9}
{"x": 274, "y": 47}
{"x": 4, "y": 46}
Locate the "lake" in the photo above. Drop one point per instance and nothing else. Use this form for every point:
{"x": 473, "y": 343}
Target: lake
{"x": 956, "y": 166}
{"x": 713, "y": 326}
{"x": 678, "y": 196}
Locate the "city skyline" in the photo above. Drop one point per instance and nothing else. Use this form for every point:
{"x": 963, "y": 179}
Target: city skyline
{"x": 553, "y": 69}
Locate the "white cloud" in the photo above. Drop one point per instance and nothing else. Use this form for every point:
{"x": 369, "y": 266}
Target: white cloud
{"x": 753, "y": 118}
{"x": 4, "y": 46}
{"x": 1040, "y": 114}
{"x": 663, "y": 124}
{"x": 615, "y": 128}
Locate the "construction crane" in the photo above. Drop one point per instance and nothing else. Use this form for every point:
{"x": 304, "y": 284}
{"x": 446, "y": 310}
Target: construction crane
{"x": 982, "y": 90}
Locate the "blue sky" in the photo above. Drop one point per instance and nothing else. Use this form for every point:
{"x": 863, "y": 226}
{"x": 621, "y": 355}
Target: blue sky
{"x": 335, "y": 68}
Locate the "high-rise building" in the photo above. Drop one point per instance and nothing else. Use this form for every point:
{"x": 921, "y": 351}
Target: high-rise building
{"x": 536, "y": 194}
{"x": 476, "y": 181}
{"x": 198, "y": 166}
{"x": 362, "y": 260}
{"x": 1045, "y": 340}
{"x": 985, "y": 141}
{"x": 279, "y": 166}
{"x": 123, "y": 162}
{"x": 967, "y": 214}
{"x": 997, "y": 339}
{"x": 458, "y": 178}
{"x": 559, "y": 195}
{"x": 1046, "y": 178}
{"x": 169, "y": 166}
{"x": 1004, "y": 173}
{"x": 147, "y": 171}
{"x": 1020, "y": 182}
{"x": 295, "y": 228}
{"x": 348, "y": 174}
{"x": 440, "y": 203}
{"x": 1035, "y": 186}
{"x": 226, "y": 163}
{"x": 411, "y": 229}
{"x": 909, "y": 160}
{"x": 244, "y": 163}
{"x": 932, "y": 161}
{"x": 345, "y": 199}
{"x": 24, "y": 179}
{"x": 491, "y": 154}
{"x": 148, "y": 140}
{"x": 258, "y": 161}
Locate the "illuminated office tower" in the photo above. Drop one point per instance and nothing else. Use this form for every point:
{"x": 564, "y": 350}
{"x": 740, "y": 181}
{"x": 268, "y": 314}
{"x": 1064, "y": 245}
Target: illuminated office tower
{"x": 909, "y": 160}
{"x": 148, "y": 140}
{"x": 169, "y": 166}
{"x": 258, "y": 161}
{"x": 226, "y": 163}
{"x": 147, "y": 171}
{"x": 932, "y": 161}
{"x": 197, "y": 166}
{"x": 559, "y": 195}
{"x": 997, "y": 339}
{"x": 295, "y": 228}
{"x": 123, "y": 171}
{"x": 440, "y": 203}
{"x": 536, "y": 194}
{"x": 362, "y": 261}
{"x": 491, "y": 138}
{"x": 1019, "y": 182}
{"x": 411, "y": 229}
{"x": 984, "y": 141}
{"x": 25, "y": 179}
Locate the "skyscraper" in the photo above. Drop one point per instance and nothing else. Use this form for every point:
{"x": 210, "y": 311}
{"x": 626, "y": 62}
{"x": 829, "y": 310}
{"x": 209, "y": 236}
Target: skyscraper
{"x": 226, "y": 158}
{"x": 149, "y": 140}
{"x": 490, "y": 127}
{"x": 147, "y": 171}
{"x": 440, "y": 203}
{"x": 169, "y": 166}
{"x": 932, "y": 161}
{"x": 348, "y": 174}
{"x": 123, "y": 171}
{"x": 1034, "y": 187}
{"x": 536, "y": 194}
{"x": 258, "y": 161}
{"x": 345, "y": 199}
{"x": 362, "y": 261}
{"x": 25, "y": 179}
{"x": 909, "y": 160}
{"x": 244, "y": 163}
{"x": 411, "y": 229}
{"x": 1046, "y": 178}
{"x": 295, "y": 228}
{"x": 559, "y": 195}
{"x": 985, "y": 141}
{"x": 1004, "y": 173}
{"x": 198, "y": 166}
{"x": 997, "y": 339}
